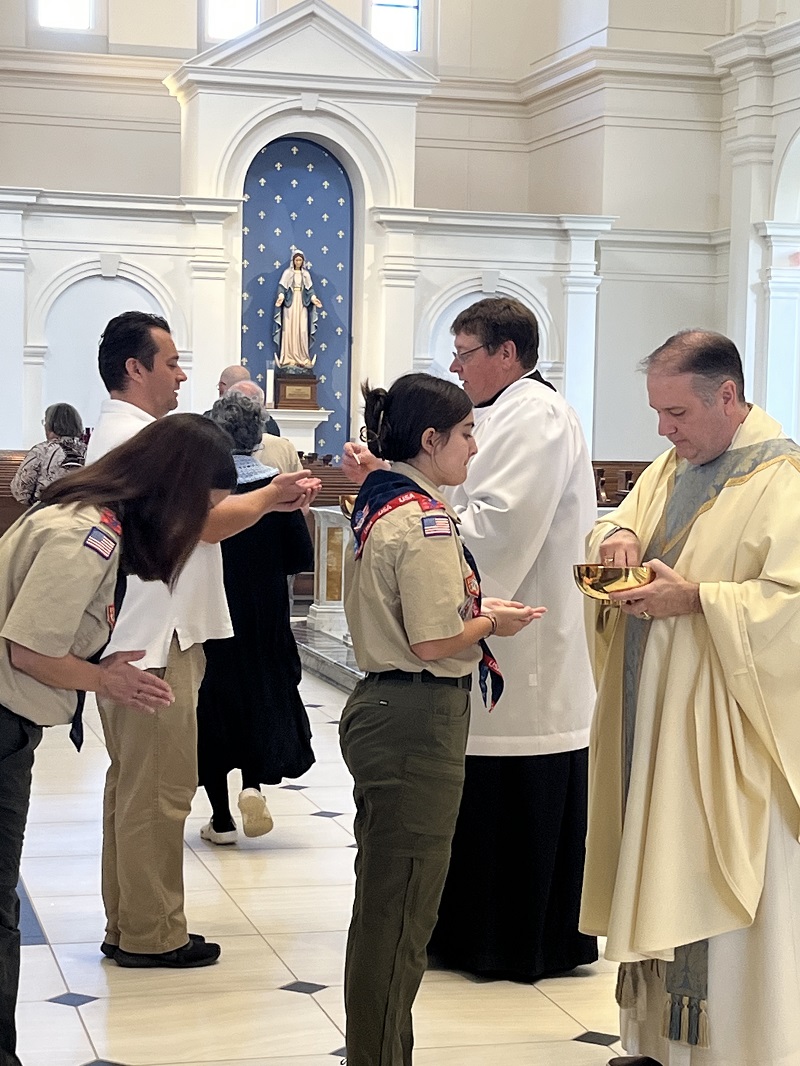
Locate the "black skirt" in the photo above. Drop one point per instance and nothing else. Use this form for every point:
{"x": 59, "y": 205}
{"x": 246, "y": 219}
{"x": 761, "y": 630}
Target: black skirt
{"x": 249, "y": 711}
{"x": 512, "y": 898}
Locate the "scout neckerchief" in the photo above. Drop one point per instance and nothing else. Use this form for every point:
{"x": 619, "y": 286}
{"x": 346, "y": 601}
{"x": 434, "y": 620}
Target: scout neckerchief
{"x": 693, "y": 491}
{"x": 99, "y": 543}
{"x": 382, "y": 492}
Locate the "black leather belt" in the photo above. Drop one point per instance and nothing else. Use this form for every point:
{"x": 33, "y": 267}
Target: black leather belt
{"x": 424, "y": 678}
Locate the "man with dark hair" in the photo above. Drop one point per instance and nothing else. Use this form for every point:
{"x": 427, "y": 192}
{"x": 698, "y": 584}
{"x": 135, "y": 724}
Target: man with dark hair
{"x": 692, "y": 864}
{"x": 511, "y": 901}
{"x": 153, "y": 773}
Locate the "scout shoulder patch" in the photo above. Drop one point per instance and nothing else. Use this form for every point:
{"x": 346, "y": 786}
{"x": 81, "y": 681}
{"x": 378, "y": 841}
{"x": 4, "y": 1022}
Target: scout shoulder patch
{"x": 100, "y": 542}
{"x": 436, "y": 525}
{"x": 472, "y": 586}
{"x": 108, "y": 518}
{"x": 111, "y": 615}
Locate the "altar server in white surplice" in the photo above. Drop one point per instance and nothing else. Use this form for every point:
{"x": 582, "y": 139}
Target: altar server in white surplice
{"x": 511, "y": 900}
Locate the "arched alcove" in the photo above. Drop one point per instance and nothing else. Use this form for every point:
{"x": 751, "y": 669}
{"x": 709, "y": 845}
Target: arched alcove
{"x": 298, "y": 196}
{"x": 435, "y": 342}
{"x": 72, "y": 330}
{"x": 786, "y": 196}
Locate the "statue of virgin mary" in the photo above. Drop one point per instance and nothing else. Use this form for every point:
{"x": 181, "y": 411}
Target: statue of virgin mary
{"x": 295, "y": 318}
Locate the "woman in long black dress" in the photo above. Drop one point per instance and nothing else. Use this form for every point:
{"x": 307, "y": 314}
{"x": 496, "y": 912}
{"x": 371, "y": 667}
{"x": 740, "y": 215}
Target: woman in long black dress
{"x": 250, "y": 715}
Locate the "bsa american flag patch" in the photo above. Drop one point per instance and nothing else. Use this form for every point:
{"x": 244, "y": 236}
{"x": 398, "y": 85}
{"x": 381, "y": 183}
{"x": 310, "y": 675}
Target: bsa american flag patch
{"x": 100, "y": 542}
{"x": 436, "y": 525}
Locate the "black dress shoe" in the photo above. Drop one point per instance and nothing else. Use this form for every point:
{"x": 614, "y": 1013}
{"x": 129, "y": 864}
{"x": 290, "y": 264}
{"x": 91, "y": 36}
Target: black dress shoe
{"x": 194, "y": 953}
{"x": 634, "y": 1060}
{"x": 110, "y": 950}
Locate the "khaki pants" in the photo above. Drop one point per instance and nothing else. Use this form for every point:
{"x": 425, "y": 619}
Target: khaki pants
{"x": 148, "y": 794}
{"x": 404, "y": 745}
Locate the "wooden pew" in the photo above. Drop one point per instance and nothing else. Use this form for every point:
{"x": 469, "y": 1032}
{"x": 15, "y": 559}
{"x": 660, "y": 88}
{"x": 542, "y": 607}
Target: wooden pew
{"x": 10, "y": 510}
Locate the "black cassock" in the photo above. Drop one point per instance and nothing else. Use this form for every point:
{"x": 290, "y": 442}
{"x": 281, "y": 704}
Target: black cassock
{"x": 249, "y": 711}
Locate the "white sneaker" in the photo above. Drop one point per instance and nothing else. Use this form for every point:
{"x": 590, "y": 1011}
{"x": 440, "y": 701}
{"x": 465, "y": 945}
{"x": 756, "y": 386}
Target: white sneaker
{"x": 208, "y": 832}
{"x": 256, "y": 819}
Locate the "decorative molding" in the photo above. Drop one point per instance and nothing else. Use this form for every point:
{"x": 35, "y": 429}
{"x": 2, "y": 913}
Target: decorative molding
{"x": 751, "y": 149}
{"x": 29, "y": 68}
{"x": 702, "y": 241}
{"x": 13, "y": 261}
{"x": 205, "y": 269}
{"x": 34, "y": 354}
{"x": 223, "y": 68}
{"x": 581, "y": 284}
{"x": 116, "y": 206}
{"x": 488, "y": 223}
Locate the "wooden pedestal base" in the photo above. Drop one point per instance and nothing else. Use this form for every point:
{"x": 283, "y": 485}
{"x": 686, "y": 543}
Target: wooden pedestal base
{"x": 297, "y": 393}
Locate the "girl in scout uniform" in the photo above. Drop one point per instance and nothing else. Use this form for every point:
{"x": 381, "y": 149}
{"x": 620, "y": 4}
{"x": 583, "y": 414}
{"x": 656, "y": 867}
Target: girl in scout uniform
{"x": 138, "y": 510}
{"x": 418, "y": 626}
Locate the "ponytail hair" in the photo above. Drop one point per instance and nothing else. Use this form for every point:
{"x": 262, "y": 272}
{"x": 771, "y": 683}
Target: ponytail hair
{"x": 395, "y": 420}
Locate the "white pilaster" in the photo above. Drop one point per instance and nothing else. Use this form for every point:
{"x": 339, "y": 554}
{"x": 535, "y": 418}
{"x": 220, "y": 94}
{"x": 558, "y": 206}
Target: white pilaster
{"x": 32, "y": 394}
{"x": 751, "y": 147}
{"x": 399, "y": 279}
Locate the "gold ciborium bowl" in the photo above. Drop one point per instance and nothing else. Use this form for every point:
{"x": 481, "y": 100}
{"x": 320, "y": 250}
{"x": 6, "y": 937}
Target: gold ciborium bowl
{"x": 346, "y": 504}
{"x": 597, "y": 581}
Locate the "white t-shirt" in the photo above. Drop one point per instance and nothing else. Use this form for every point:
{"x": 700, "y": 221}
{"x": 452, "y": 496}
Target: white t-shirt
{"x": 197, "y": 609}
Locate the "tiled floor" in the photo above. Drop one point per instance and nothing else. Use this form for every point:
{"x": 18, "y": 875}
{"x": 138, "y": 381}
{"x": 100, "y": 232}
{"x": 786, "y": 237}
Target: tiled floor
{"x": 279, "y": 905}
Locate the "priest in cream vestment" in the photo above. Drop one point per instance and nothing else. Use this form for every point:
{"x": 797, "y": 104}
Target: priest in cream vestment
{"x": 693, "y": 862}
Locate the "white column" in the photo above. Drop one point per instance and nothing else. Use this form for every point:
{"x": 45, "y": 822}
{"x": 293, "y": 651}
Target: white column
{"x": 33, "y": 359}
{"x": 212, "y": 348}
{"x": 782, "y": 343}
{"x": 214, "y": 325}
{"x": 751, "y": 148}
{"x": 581, "y": 283}
{"x": 580, "y": 337}
{"x": 750, "y": 200}
{"x": 13, "y": 426}
{"x": 399, "y": 279}
{"x": 779, "y": 326}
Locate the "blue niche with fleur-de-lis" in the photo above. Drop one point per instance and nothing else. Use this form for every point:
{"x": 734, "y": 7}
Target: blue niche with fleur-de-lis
{"x": 298, "y": 196}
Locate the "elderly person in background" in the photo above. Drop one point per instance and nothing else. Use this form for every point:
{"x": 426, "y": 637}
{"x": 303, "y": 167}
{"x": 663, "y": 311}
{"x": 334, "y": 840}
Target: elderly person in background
{"x": 231, "y": 376}
{"x": 275, "y": 450}
{"x": 62, "y": 451}
{"x": 249, "y": 712}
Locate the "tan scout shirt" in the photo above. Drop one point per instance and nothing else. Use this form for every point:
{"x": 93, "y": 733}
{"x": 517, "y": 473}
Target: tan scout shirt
{"x": 58, "y": 570}
{"x": 407, "y": 588}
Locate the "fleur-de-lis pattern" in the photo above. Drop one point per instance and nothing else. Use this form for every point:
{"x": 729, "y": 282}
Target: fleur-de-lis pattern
{"x": 298, "y": 195}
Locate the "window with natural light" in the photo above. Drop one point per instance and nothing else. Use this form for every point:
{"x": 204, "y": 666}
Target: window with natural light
{"x": 65, "y": 14}
{"x": 396, "y": 23}
{"x": 228, "y": 18}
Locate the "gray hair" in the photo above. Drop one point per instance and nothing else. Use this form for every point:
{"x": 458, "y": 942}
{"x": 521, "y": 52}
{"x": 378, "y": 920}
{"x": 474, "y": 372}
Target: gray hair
{"x": 63, "y": 420}
{"x": 240, "y": 417}
{"x": 249, "y": 389}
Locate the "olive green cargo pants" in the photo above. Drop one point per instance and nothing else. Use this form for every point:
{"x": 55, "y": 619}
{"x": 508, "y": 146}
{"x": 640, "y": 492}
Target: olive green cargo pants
{"x": 404, "y": 744}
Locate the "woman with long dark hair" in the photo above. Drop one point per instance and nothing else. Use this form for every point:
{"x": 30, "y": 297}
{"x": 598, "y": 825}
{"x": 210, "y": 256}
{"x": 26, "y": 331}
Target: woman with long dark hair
{"x": 418, "y": 626}
{"x": 250, "y": 715}
{"x": 138, "y": 510}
